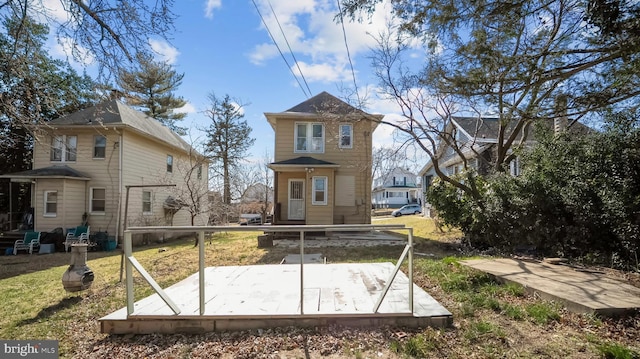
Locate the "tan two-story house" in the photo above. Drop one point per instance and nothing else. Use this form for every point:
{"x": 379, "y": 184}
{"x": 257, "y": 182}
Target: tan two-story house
{"x": 84, "y": 162}
{"x": 322, "y": 162}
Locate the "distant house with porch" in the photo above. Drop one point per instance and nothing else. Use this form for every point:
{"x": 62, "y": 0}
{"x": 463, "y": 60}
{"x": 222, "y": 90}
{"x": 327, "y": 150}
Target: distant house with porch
{"x": 322, "y": 162}
{"x": 395, "y": 189}
{"x": 84, "y": 162}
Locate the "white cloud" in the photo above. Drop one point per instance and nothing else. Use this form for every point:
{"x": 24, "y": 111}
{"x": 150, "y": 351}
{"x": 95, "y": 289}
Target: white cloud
{"x": 210, "y": 6}
{"x": 315, "y": 37}
{"x": 77, "y": 55}
{"x": 164, "y": 51}
{"x": 322, "y": 72}
{"x": 49, "y": 10}
{"x": 187, "y": 108}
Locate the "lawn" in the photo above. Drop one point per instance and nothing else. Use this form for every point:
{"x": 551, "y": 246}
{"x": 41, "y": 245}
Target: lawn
{"x": 490, "y": 320}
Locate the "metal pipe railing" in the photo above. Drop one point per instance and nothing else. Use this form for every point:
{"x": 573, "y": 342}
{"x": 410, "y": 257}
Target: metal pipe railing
{"x": 131, "y": 262}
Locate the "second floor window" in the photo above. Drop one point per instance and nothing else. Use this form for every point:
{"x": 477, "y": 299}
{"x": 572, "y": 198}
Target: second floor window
{"x": 346, "y": 136}
{"x": 99, "y": 146}
{"x": 309, "y": 137}
{"x": 64, "y": 148}
{"x": 169, "y": 163}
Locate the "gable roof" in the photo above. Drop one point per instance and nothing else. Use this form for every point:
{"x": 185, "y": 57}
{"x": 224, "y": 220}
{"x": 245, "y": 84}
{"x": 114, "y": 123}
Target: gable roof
{"x": 113, "y": 113}
{"x": 324, "y": 103}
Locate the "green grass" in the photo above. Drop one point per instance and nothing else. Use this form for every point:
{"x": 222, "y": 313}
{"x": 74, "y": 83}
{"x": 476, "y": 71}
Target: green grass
{"x": 35, "y": 305}
{"x": 543, "y": 312}
{"x": 617, "y": 351}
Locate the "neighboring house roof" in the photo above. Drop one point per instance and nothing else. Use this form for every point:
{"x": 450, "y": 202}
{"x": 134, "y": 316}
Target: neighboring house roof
{"x": 116, "y": 114}
{"x": 482, "y": 132}
{"x": 324, "y": 103}
{"x": 485, "y": 129}
{"x": 49, "y": 172}
{"x": 302, "y": 161}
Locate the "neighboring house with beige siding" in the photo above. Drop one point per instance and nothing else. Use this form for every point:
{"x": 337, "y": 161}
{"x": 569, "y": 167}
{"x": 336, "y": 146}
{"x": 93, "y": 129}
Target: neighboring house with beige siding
{"x": 322, "y": 162}
{"x": 84, "y": 162}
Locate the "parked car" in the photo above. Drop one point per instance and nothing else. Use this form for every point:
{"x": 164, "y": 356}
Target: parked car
{"x": 407, "y": 209}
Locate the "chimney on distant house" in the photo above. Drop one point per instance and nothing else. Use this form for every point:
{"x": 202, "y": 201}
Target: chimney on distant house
{"x": 560, "y": 120}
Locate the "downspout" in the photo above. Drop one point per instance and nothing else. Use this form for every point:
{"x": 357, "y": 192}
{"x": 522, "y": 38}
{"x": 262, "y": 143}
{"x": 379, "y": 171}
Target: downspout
{"x": 119, "y": 216}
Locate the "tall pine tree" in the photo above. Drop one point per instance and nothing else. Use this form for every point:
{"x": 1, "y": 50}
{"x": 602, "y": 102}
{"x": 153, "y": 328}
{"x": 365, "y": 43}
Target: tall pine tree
{"x": 150, "y": 87}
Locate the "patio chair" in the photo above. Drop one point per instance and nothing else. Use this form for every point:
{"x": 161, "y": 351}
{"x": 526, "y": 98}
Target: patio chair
{"x": 29, "y": 242}
{"x": 80, "y": 234}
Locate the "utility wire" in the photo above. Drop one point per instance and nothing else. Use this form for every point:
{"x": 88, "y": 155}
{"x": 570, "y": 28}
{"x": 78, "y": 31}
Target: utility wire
{"x": 278, "y": 47}
{"x": 346, "y": 45}
{"x": 289, "y": 46}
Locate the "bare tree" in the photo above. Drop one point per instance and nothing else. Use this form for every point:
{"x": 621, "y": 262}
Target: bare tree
{"x": 109, "y": 33}
{"x": 518, "y": 61}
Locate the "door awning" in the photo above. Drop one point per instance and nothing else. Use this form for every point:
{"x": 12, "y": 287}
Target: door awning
{"x": 300, "y": 164}
{"x": 52, "y": 172}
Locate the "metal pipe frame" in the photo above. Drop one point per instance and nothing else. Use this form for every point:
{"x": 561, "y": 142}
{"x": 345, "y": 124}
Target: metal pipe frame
{"x": 131, "y": 262}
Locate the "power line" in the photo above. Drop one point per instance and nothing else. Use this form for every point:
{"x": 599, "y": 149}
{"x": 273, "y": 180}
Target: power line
{"x": 278, "y": 47}
{"x": 346, "y": 45}
{"x": 289, "y": 46}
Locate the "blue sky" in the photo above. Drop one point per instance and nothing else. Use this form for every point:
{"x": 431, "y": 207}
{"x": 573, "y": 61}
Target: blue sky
{"x": 223, "y": 47}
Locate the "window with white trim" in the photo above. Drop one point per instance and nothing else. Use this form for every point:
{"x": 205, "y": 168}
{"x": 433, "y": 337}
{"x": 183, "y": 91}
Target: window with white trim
{"x": 169, "y": 163}
{"x": 199, "y": 172}
{"x": 309, "y": 137}
{"x": 319, "y": 190}
{"x": 98, "y": 200}
{"x": 64, "y": 148}
{"x": 146, "y": 202}
{"x": 346, "y": 136}
{"x": 99, "y": 146}
{"x": 50, "y": 203}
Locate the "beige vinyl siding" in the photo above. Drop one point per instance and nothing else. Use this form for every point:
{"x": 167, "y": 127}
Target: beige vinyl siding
{"x": 319, "y": 214}
{"x": 102, "y": 172}
{"x": 354, "y": 162}
{"x": 70, "y": 206}
{"x": 145, "y": 162}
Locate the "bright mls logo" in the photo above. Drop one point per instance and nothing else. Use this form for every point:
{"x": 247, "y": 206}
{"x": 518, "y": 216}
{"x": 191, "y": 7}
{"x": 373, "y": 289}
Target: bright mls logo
{"x": 37, "y": 349}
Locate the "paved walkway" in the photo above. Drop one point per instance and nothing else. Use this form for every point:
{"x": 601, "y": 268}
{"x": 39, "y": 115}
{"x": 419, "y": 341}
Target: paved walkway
{"x": 579, "y": 291}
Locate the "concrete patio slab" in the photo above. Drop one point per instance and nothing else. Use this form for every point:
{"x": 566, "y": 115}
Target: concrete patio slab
{"x": 579, "y": 290}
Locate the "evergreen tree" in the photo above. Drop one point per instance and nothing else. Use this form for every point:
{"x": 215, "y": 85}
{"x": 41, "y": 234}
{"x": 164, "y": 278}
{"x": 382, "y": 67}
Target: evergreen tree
{"x": 34, "y": 88}
{"x": 228, "y": 139}
{"x": 150, "y": 87}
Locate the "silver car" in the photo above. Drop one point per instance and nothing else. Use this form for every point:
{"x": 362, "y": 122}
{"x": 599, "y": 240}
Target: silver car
{"x": 407, "y": 209}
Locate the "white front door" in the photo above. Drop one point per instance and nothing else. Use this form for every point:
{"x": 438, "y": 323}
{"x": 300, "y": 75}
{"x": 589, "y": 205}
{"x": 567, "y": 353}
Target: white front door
{"x": 296, "y": 199}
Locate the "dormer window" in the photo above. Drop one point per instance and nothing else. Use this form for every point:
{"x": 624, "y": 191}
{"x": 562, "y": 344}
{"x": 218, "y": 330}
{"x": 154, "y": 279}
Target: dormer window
{"x": 309, "y": 137}
{"x": 64, "y": 148}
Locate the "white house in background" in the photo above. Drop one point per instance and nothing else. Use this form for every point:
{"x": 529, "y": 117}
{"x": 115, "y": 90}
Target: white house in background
{"x": 395, "y": 189}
